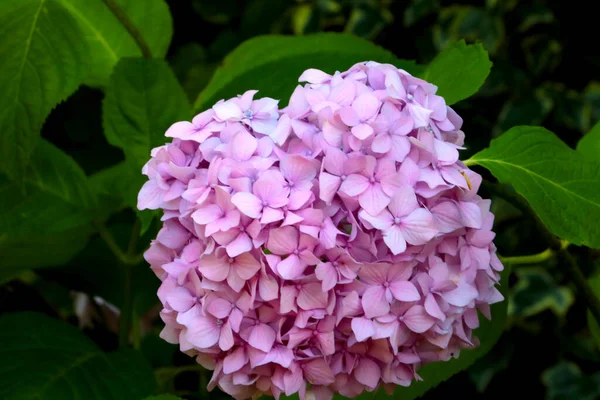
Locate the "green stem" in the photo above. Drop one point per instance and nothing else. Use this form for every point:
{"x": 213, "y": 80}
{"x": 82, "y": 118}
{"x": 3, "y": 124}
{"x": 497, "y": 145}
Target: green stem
{"x": 528, "y": 259}
{"x": 555, "y": 245}
{"x": 110, "y": 241}
{"x": 533, "y": 258}
{"x": 130, "y": 27}
{"x": 126, "y": 319}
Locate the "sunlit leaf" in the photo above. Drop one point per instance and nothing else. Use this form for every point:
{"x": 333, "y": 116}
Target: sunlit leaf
{"x": 459, "y": 71}
{"x": 108, "y": 39}
{"x": 589, "y": 145}
{"x": 44, "y": 59}
{"x": 561, "y": 187}
{"x": 272, "y": 64}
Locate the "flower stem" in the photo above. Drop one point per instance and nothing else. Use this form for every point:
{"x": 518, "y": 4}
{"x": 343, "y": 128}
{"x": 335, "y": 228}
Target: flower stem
{"x": 128, "y": 299}
{"x": 129, "y": 26}
{"x": 556, "y": 245}
{"x": 110, "y": 241}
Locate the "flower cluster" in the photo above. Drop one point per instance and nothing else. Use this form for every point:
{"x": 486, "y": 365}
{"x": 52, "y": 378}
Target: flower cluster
{"x": 338, "y": 242}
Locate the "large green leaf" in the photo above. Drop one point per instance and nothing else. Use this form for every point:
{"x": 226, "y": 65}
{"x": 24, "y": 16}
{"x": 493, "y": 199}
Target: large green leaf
{"x": 163, "y": 397}
{"x": 559, "y": 184}
{"x": 44, "y": 60}
{"x": 589, "y": 145}
{"x": 40, "y": 251}
{"x": 143, "y": 99}
{"x": 459, "y": 71}
{"x": 46, "y": 359}
{"x": 56, "y": 196}
{"x": 108, "y": 39}
{"x": 273, "y": 63}
{"x": 45, "y": 222}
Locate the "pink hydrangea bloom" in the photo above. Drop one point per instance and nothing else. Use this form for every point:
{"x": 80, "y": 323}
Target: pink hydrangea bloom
{"x": 333, "y": 246}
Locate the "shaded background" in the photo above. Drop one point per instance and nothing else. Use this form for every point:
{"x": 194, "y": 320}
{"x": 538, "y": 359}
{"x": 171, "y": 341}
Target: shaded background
{"x": 543, "y": 74}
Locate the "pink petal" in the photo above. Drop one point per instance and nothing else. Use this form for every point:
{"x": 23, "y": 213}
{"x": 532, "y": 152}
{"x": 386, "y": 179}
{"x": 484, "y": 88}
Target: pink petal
{"x": 349, "y": 116}
{"x": 204, "y": 333}
{"x": 296, "y": 168}
{"x": 248, "y": 204}
{"x": 235, "y": 360}
{"x": 262, "y": 337}
{"x": 362, "y": 131}
{"x": 291, "y": 268}
{"x": 381, "y": 221}
{"x": 368, "y": 373}
{"x": 219, "y": 308}
{"x": 403, "y": 202}
{"x": 226, "y": 339}
{"x": 213, "y": 267}
{"x": 179, "y": 299}
{"x": 246, "y": 266}
{"x": 328, "y": 186}
{"x": 326, "y": 273}
{"x": 241, "y": 244}
{"x": 227, "y": 110}
{"x": 433, "y": 308}
{"x": 311, "y": 296}
{"x": 419, "y": 227}
{"x": 317, "y": 372}
{"x": 394, "y": 239}
{"x": 243, "y": 145}
{"x": 382, "y": 143}
{"x": 283, "y": 241}
{"x": 363, "y": 328}
{"x": 150, "y": 196}
{"x": 354, "y": 185}
{"x": 313, "y": 75}
{"x": 404, "y": 291}
{"x": 374, "y": 302}
{"x": 374, "y": 200}
{"x": 366, "y": 105}
{"x": 271, "y": 215}
{"x": 417, "y": 319}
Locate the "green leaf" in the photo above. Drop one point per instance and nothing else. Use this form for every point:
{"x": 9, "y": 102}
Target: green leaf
{"x": 45, "y": 222}
{"x": 44, "y": 59}
{"x": 56, "y": 196}
{"x": 593, "y": 325}
{"x": 536, "y": 291}
{"x": 163, "y": 397}
{"x": 143, "y": 99}
{"x": 47, "y": 359}
{"x": 116, "y": 187}
{"x": 589, "y": 145}
{"x": 272, "y": 64}
{"x": 565, "y": 382}
{"x": 433, "y": 374}
{"x": 108, "y": 39}
{"x": 40, "y": 251}
{"x": 459, "y": 71}
{"x": 561, "y": 187}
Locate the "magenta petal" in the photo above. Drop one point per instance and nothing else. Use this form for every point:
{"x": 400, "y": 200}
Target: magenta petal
{"x": 363, "y": 328}
{"x": 354, "y": 185}
{"x": 404, "y": 291}
{"x": 368, "y": 373}
{"x": 311, "y": 296}
{"x": 262, "y": 337}
{"x": 433, "y": 308}
{"x": 374, "y": 199}
{"x": 204, "y": 333}
{"x": 226, "y": 340}
{"x": 417, "y": 319}
{"x": 291, "y": 268}
{"x": 235, "y": 360}
{"x": 248, "y": 204}
{"x": 374, "y": 302}
{"x": 318, "y": 372}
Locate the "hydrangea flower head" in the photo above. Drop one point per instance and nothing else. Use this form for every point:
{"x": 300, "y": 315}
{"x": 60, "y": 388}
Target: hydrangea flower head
{"x": 332, "y": 246}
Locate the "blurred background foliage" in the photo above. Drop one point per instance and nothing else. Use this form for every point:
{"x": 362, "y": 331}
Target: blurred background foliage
{"x": 544, "y": 74}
